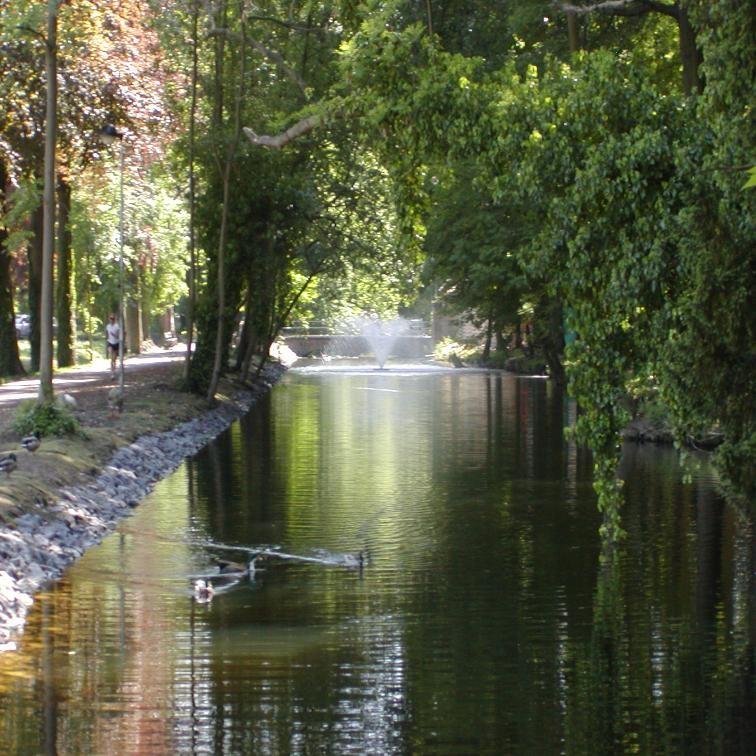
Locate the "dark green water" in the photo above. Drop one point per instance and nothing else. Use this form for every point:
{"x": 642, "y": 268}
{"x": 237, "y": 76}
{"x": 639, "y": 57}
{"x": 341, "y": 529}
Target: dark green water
{"x": 487, "y": 620}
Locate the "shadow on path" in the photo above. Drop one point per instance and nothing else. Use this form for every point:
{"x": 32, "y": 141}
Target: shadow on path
{"x": 86, "y": 377}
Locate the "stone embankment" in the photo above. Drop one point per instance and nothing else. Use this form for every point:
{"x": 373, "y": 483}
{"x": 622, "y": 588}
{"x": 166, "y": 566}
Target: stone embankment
{"x": 38, "y": 545}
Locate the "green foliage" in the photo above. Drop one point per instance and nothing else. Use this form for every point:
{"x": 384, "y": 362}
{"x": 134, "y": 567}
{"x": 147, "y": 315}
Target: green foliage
{"x": 48, "y": 419}
{"x": 25, "y": 200}
{"x": 581, "y": 187}
{"x": 484, "y": 161}
{"x": 154, "y": 242}
{"x": 446, "y": 349}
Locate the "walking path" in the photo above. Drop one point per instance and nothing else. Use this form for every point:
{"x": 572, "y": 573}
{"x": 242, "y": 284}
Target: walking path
{"x": 89, "y": 384}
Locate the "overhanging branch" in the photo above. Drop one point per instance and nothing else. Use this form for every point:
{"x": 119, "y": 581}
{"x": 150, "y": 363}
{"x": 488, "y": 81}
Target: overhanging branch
{"x": 624, "y": 8}
{"x": 282, "y": 139}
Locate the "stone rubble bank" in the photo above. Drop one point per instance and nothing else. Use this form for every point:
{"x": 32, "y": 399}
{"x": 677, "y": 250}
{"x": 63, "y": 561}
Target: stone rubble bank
{"x": 37, "y": 547}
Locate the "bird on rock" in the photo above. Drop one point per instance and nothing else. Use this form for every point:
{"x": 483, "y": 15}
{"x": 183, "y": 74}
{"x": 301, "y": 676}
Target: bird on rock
{"x": 115, "y": 401}
{"x": 8, "y": 463}
{"x": 31, "y": 443}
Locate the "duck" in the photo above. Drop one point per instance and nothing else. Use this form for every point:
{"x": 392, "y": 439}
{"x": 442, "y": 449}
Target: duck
{"x": 31, "y": 443}
{"x": 8, "y": 463}
{"x": 203, "y": 591}
{"x": 226, "y": 567}
{"x": 357, "y": 560}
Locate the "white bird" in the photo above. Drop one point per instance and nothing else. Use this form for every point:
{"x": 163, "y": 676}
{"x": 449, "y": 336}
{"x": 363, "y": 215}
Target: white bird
{"x": 203, "y": 591}
{"x": 69, "y": 401}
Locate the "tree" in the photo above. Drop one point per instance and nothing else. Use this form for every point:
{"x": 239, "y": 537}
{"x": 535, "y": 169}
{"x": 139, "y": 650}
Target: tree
{"x": 48, "y": 204}
{"x": 66, "y": 333}
{"x": 690, "y": 53}
{"x": 10, "y": 363}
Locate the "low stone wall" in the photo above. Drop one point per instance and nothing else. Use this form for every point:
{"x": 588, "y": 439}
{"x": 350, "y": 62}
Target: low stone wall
{"x": 39, "y": 545}
{"x": 407, "y": 346}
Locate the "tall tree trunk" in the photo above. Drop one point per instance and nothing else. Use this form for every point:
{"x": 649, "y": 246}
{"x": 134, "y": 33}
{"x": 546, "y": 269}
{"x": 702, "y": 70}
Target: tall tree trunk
{"x": 66, "y": 336}
{"x": 34, "y": 255}
{"x": 145, "y": 319}
{"x": 245, "y": 337}
{"x": 218, "y": 366}
{"x": 690, "y": 55}
{"x": 489, "y": 339}
{"x": 572, "y": 32}
{"x": 48, "y": 206}
{"x": 10, "y": 362}
{"x": 133, "y": 333}
{"x": 554, "y": 343}
{"x": 192, "y": 195}
{"x": 221, "y": 285}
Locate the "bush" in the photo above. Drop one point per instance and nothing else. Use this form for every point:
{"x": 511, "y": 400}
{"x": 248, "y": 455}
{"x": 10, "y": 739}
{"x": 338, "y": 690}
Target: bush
{"x": 445, "y": 348}
{"x": 45, "y": 419}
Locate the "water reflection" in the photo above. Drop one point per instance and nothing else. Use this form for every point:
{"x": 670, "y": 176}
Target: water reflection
{"x": 489, "y": 620}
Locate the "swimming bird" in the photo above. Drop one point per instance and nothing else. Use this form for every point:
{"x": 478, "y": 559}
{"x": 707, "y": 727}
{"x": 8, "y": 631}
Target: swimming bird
{"x": 226, "y": 567}
{"x": 203, "y": 591}
{"x": 115, "y": 401}
{"x": 31, "y": 443}
{"x": 251, "y": 565}
{"x": 8, "y": 463}
{"x": 357, "y": 560}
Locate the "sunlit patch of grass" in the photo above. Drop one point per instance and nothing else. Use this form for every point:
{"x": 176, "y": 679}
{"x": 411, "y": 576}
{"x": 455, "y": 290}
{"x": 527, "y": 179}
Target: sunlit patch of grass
{"x": 87, "y": 351}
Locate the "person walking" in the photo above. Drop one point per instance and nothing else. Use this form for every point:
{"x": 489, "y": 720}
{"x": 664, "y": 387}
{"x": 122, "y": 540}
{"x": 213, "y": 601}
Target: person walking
{"x": 113, "y": 337}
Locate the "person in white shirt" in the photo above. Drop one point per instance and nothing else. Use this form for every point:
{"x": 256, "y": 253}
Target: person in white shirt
{"x": 113, "y": 337}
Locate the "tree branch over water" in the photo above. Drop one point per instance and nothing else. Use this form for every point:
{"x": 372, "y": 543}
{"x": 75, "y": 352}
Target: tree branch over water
{"x": 282, "y": 139}
{"x": 624, "y": 8}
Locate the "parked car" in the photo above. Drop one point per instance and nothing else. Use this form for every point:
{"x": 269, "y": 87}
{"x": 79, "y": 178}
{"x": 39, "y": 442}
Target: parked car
{"x": 23, "y": 326}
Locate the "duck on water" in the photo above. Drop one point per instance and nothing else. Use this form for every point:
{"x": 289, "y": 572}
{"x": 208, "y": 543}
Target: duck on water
{"x": 227, "y": 567}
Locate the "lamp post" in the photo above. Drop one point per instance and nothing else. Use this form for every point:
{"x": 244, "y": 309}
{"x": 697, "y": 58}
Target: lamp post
{"x": 108, "y": 135}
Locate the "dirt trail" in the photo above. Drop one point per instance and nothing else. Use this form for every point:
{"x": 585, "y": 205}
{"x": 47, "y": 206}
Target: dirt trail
{"x": 93, "y": 379}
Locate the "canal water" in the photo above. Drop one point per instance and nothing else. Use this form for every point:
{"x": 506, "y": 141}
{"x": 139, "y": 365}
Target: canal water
{"x": 487, "y": 617}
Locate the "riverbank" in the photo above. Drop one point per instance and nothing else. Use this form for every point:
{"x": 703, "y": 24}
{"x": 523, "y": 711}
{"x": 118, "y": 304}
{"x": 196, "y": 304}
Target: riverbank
{"x": 72, "y": 492}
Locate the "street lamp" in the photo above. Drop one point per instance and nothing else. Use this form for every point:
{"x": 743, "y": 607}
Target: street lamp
{"x": 108, "y": 135}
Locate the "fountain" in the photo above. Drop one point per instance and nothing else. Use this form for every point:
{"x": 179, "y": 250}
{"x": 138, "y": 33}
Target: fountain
{"x": 381, "y": 336}
{"x": 368, "y": 336}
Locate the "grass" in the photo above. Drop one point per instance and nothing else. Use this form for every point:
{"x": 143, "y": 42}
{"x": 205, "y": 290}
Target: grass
{"x": 87, "y": 351}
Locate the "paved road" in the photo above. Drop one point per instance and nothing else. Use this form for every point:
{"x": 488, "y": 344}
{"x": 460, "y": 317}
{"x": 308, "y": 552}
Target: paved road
{"x": 97, "y": 372}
